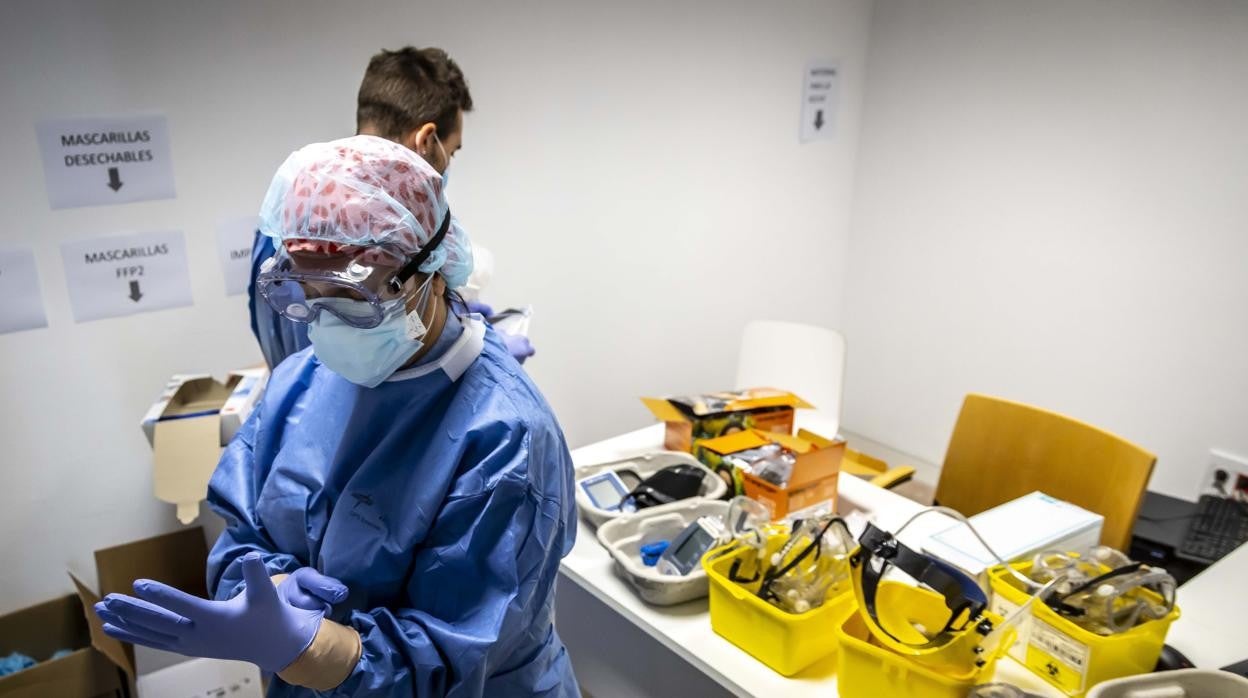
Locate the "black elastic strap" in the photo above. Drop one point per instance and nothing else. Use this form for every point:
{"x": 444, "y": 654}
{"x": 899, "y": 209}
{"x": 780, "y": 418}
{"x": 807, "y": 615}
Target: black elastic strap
{"x": 815, "y": 546}
{"x": 409, "y": 270}
{"x": 1057, "y": 602}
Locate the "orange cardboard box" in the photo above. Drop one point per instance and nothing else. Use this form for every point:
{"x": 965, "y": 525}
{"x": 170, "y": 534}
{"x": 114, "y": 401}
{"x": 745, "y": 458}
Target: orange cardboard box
{"x": 694, "y": 418}
{"x": 814, "y": 477}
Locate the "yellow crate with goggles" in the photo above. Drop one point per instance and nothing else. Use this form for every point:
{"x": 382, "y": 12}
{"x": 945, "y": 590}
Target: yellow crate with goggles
{"x": 755, "y": 592}
{"x": 1091, "y": 630}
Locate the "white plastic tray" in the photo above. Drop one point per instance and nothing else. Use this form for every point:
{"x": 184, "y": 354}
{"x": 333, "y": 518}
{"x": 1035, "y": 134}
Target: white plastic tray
{"x": 1190, "y": 683}
{"x": 624, "y": 537}
{"x": 645, "y": 466}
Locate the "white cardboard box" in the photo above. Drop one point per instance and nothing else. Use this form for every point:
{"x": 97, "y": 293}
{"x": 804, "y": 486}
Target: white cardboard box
{"x": 202, "y": 678}
{"x": 1017, "y": 530}
{"x": 188, "y": 425}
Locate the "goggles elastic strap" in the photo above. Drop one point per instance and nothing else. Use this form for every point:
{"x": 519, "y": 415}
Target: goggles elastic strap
{"x": 1057, "y": 602}
{"x": 409, "y": 270}
{"x": 815, "y": 546}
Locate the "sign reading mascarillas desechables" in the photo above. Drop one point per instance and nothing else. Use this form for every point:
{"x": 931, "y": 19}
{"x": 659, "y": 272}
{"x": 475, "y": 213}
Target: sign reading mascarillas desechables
{"x": 106, "y": 160}
{"x": 19, "y": 287}
{"x": 234, "y": 240}
{"x": 126, "y": 274}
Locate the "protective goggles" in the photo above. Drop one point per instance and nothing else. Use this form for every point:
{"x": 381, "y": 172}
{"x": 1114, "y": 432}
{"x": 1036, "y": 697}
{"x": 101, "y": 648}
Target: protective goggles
{"x": 1118, "y": 600}
{"x": 361, "y": 287}
{"x": 963, "y": 598}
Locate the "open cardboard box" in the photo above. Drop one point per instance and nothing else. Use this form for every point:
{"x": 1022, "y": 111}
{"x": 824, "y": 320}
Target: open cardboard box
{"x": 693, "y": 418}
{"x": 194, "y": 418}
{"x": 177, "y": 559}
{"x": 40, "y": 630}
{"x": 814, "y": 477}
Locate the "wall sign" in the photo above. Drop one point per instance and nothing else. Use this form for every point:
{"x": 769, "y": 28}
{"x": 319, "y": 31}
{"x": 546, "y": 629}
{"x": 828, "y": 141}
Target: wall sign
{"x": 105, "y": 160}
{"x": 22, "y": 308}
{"x": 126, "y": 274}
{"x": 234, "y": 239}
{"x": 820, "y": 80}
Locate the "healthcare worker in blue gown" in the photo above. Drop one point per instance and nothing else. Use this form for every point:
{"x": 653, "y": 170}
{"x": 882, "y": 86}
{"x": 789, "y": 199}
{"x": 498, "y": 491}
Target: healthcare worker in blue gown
{"x": 398, "y": 503}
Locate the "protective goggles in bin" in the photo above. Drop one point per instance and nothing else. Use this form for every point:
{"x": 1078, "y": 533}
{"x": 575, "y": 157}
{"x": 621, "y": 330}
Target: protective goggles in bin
{"x": 361, "y": 286}
{"x": 1115, "y": 601}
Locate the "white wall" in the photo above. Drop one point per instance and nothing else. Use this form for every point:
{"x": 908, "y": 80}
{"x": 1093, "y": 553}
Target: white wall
{"x": 1052, "y": 205}
{"x": 634, "y": 167}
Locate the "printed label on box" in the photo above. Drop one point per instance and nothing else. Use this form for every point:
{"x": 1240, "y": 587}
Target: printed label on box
{"x": 1057, "y": 657}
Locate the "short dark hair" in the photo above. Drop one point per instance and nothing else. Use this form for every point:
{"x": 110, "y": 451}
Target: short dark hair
{"x": 403, "y": 90}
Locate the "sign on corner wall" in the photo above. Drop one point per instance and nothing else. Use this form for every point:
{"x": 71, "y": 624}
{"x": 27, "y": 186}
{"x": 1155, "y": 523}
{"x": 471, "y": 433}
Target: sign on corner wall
{"x": 820, "y": 100}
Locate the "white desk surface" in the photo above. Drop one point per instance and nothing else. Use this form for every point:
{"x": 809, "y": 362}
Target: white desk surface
{"x": 686, "y": 629}
{"x": 1212, "y": 629}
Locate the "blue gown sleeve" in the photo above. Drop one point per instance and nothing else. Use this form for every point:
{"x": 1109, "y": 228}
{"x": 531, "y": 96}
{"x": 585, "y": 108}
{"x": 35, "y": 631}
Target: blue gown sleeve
{"x": 278, "y": 337}
{"x": 232, "y": 493}
{"x": 478, "y": 584}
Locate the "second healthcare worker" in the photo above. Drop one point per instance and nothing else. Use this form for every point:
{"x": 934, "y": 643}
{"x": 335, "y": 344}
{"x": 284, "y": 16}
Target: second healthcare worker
{"x": 403, "y": 471}
{"x": 416, "y": 98}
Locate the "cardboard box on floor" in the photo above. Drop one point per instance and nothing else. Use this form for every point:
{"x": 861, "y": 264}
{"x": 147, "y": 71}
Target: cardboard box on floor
{"x": 812, "y": 482}
{"x": 194, "y": 418}
{"x": 693, "y": 418}
{"x": 40, "y": 630}
{"x": 177, "y": 559}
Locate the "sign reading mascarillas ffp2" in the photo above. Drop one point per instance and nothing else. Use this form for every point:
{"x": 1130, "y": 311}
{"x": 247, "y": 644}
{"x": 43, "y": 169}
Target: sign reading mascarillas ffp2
{"x": 126, "y": 274}
{"x": 95, "y": 161}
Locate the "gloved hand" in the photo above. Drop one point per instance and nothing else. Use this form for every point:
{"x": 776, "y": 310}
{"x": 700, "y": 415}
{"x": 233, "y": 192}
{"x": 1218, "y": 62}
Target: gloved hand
{"x": 485, "y": 310}
{"x": 518, "y": 346}
{"x": 312, "y": 591}
{"x": 257, "y": 626}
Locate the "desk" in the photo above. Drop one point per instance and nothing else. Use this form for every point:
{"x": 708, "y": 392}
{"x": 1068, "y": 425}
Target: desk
{"x": 672, "y": 650}
{"x": 1213, "y": 630}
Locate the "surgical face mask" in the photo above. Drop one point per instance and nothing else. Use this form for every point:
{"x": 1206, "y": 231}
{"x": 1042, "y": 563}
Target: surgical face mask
{"x": 368, "y": 357}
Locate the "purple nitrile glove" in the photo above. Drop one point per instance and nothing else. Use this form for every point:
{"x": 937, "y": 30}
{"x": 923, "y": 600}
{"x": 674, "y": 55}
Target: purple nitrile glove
{"x": 485, "y": 310}
{"x": 310, "y": 590}
{"x": 518, "y": 346}
{"x": 257, "y": 626}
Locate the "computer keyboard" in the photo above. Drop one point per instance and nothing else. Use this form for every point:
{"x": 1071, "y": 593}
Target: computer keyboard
{"x": 1217, "y": 528}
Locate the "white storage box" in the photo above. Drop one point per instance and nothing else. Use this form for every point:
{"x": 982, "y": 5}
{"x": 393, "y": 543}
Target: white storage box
{"x": 1017, "y": 530}
{"x": 644, "y": 466}
{"x": 624, "y": 537}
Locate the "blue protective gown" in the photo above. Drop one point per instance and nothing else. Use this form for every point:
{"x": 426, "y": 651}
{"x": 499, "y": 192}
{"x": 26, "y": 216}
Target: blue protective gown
{"x": 442, "y": 498}
{"x": 278, "y": 337}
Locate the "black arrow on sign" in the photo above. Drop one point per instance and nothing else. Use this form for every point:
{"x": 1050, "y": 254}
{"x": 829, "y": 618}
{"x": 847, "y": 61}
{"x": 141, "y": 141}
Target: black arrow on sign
{"x": 818, "y": 119}
{"x": 114, "y": 179}
{"x": 135, "y": 295}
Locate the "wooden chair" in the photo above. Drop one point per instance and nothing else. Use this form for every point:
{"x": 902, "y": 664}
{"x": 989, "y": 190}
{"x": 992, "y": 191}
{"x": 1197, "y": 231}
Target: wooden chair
{"x": 1002, "y": 450}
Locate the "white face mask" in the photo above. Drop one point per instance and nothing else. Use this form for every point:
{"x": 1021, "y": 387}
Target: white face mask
{"x": 368, "y": 357}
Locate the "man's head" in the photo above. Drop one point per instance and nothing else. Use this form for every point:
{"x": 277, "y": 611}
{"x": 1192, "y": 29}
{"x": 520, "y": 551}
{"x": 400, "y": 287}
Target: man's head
{"x": 417, "y": 98}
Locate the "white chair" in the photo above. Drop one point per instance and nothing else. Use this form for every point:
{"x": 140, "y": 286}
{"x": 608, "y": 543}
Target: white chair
{"x": 809, "y": 361}
{"x": 805, "y": 359}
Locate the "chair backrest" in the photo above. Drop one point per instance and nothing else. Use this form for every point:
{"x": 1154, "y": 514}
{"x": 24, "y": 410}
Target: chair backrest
{"x": 1002, "y": 450}
{"x": 806, "y": 359}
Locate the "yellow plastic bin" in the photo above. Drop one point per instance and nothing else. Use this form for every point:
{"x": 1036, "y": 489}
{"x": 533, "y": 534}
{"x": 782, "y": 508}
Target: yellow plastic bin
{"x": 865, "y": 669}
{"x": 1070, "y": 658}
{"x": 786, "y": 642}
